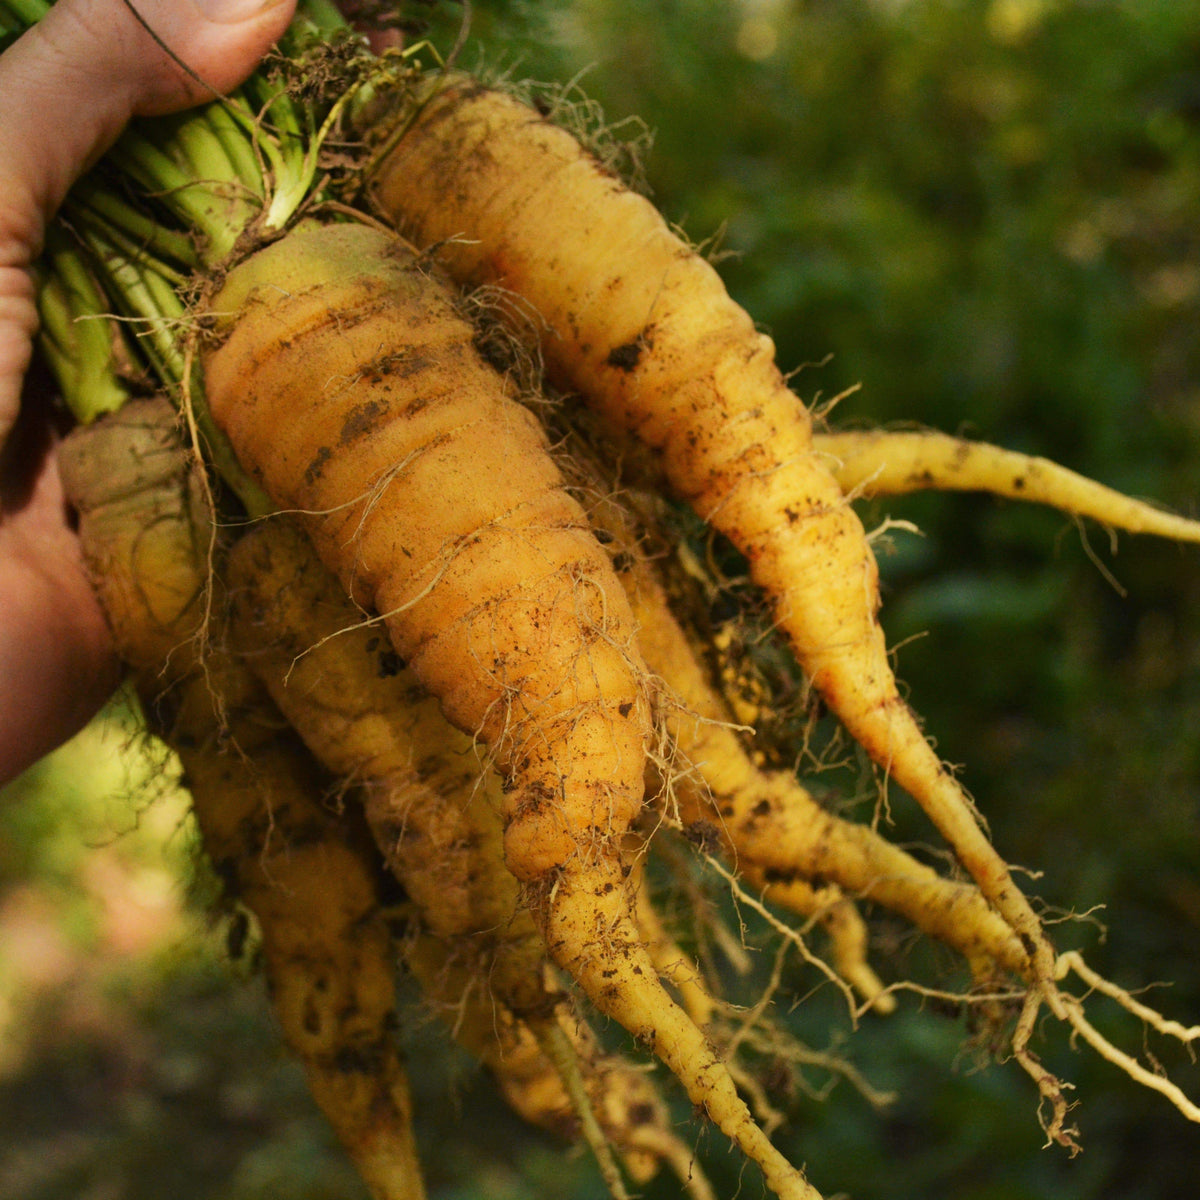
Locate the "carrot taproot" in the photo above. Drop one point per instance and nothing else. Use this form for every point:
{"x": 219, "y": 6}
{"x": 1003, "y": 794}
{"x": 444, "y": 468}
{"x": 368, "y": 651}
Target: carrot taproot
{"x": 432, "y": 805}
{"x": 878, "y": 462}
{"x": 350, "y": 388}
{"x": 638, "y": 323}
{"x": 311, "y": 880}
{"x": 144, "y": 530}
{"x": 427, "y": 792}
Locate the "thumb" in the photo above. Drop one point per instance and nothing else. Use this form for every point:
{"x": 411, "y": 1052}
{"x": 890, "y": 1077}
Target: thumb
{"x": 67, "y": 88}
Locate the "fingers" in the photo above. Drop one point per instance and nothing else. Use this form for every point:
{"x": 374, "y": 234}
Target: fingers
{"x": 67, "y": 88}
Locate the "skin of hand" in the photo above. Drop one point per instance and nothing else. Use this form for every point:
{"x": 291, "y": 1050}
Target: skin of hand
{"x": 67, "y": 88}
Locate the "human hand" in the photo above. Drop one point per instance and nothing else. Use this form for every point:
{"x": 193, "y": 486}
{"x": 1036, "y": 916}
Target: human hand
{"x": 67, "y": 89}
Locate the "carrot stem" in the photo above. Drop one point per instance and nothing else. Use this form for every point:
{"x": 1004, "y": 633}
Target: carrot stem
{"x": 80, "y": 348}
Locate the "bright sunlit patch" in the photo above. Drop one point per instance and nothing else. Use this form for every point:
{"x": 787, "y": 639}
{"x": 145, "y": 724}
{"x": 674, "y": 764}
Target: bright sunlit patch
{"x": 95, "y": 877}
{"x": 757, "y": 36}
{"x": 1012, "y": 21}
{"x": 757, "y": 39}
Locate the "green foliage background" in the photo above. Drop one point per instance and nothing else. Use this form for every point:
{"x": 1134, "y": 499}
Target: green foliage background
{"x": 987, "y": 214}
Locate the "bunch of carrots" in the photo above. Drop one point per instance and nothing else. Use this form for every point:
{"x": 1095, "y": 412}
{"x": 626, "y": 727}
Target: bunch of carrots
{"x": 359, "y": 356}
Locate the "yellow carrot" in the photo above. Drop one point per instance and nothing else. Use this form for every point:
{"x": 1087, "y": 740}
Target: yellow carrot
{"x": 312, "y": 885}
{"x": 311, "y": 880}
{"x": 144, "y": 529}
{"x": 428, "y": 795}
{"x": 351, "y": 389}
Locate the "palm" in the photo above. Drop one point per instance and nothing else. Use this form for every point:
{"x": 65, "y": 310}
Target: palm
{"x": 55, "y": 651}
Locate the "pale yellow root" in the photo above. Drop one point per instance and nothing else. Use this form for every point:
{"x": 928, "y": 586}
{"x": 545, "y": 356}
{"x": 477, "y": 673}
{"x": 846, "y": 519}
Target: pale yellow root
{"x": 350, "y": 387}
{"x": 589, "y": 931}
{"x": 849, "y": 938}
{"x": 632, "y": 320}
{"x": 877, "y": 462}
